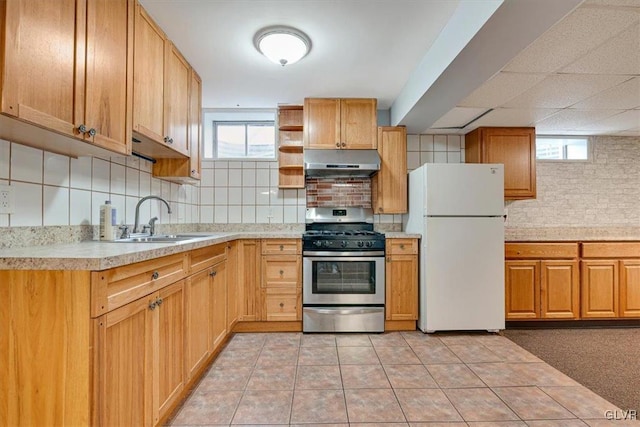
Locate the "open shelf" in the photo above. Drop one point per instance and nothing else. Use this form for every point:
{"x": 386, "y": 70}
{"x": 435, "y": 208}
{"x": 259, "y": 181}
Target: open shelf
{"x": 291, "y": 128}
{"x": 290, "y": 149}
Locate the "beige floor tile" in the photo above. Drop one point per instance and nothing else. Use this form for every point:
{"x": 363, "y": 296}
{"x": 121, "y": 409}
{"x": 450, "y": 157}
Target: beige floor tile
{"x": 501, "y": 374}
{"x": 318, "y": 406}
{"x": 378, "y": 425}
{"x": 369, "y": 405}
{"x": 321, "y": 425}
{"x": 409, "y": 376}
{"x": 581, "y": 401}
{"x": 278, "y": 356}
{"x": 557, "y": 423}
{"x": 245, "y": 340}
{"x": 262, "y": 407}
{"x": 437, "y": 424}
{"x": 226, "y": 378}
{"x": 353, "y": 340}
{"x": 208, "y": 407}
{"x": 479, "y": 404}
{"x": 619, "y": 419}
{"x": 465, "y": 338}
{"x": 272, "y": 378}
{"x": 530, "y": 403}
{"x": 237, "y": 357}
{"x": 512, "y": 353}
{"x": 435, "y": 353}
{"x": 282, "y": 339}
{"x": 543, "y": 374}
{"x": 318, "y": 356}
{"x": 394, "y": 339}
{"x": 454, "y": 375}
{"x": 397, "y": 355}
{"x": 318, "y": 340}
{"x": 357, "y": 356}
{"x": 418, "y": 338}
{"x": 498, "y": 424}
{"x": 364, "y": 376}
{"x": 426, "y": 405}
{"x": 474, "y": 353}
{"x": 318, "y": 377}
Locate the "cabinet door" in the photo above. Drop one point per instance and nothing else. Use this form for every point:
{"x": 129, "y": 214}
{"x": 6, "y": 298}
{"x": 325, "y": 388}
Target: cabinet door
{"x": 233, "y": 286}
{"x": 169, "y": 368}
{"x": 123, "y": 369}
{"x": 321, "y": 123}
{"x": 599, "y": 289}
{"x": 282, "y": 304}
{"x": 559, "y": 286}
{"x": 43, "y": 68}
{"x": 630, "y": 288}
{"x": 389, "y": 185}
{"x": 401, "y": 287}
{"x": 195, "y": 124}
{"x": 358, "y": 123}
{"x": 148, "y": 72}
{"x": 515, "y": 148}
{"x": 218, "y": 313}
{"x": 522, "y": 289}
{"x": 249, "y": 268}
{"x": 281, "y": 271}
{"x": 198, "y": 306}
{"x": 109, "y": 73}
{"x": 176, "y": 99}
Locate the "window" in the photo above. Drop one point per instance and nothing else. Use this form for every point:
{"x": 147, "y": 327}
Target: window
{"x": 562, "y": 148}
{"x": 238, "y": 140}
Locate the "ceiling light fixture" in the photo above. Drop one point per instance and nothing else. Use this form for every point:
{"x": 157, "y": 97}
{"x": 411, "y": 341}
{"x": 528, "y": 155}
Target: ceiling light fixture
{"x": 282, "y": 45}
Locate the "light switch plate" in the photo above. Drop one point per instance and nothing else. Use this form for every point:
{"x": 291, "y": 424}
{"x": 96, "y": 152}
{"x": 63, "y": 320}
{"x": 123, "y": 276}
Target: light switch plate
{"x": 7, "y": 204}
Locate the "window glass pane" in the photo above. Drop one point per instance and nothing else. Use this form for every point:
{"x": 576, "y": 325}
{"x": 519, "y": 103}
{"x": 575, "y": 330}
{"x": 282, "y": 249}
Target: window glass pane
{"x": 577, "y": 151}
{"x": 230, "y": 141}
{"x": 548, "y": 149}
{"x": 261, "y": 140}
{"x": 562, "y": 148}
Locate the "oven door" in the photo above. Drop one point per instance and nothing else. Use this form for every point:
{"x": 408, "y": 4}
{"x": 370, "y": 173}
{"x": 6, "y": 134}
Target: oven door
{"x": 335, "y": 279}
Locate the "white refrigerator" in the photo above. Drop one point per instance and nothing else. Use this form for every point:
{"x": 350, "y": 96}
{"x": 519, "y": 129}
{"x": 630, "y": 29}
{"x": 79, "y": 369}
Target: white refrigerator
{"x": 458, "y": 209}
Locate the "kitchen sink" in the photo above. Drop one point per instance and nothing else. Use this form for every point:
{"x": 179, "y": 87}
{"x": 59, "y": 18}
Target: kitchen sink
{"x": 164, "y": 238}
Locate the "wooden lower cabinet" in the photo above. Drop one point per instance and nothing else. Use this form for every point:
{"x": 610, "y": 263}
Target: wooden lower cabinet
{"x": 218, "y": 301}
{"x": 559, "y": 288}
{"x": 600, "y": 289}
{"x": 281, "y": 287}
{"x": 233, "y": 286}
{"x": 249, "y": 269}
{"x": 198, "y": 296}
{"x": 629, "y": 288}
{"x": 522, "y": 289}
{"x": 401, "y": 279}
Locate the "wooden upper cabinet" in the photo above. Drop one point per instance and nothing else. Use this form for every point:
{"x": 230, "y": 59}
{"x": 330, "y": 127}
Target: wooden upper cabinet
{"x": 77, "y": 83}
{"x": 195, "y": 124}
{"x": 331, "y": 123}
{"x": 513, "y": 147}
{"x": 176, "y": 101}
{"x": 389, "y": 185}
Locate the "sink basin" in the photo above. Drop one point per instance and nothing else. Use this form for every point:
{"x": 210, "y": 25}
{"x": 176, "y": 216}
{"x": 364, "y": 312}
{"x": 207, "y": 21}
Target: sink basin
{"x": 168, "y": 238}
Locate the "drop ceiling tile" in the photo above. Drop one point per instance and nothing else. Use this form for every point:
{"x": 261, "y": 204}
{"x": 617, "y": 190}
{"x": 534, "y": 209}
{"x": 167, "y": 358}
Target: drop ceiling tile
{"x": 501, "y": 88}
{"x": 580, "y": 32}
{"x": 513, "y": 117}
{"x": 573, "y": 119}
{"x": 626, "y": 120}
{"x": 618, "y": 3}
{"x": 624, "y": 96}
{"x": 618, "y": 55}
{"x": 564, "y": 90}
{"x": 458, "y": 117}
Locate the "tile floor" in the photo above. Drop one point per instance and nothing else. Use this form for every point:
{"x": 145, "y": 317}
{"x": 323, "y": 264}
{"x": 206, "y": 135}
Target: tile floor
{"x": 398, "y": 378}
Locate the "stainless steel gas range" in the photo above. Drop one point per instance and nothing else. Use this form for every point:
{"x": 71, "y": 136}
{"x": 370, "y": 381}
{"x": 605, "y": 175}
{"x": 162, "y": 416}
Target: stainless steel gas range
{"x": 343, "y": 287}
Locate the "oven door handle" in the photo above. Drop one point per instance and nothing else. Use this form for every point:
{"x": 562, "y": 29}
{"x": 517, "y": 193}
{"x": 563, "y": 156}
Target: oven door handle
{"x": 341, "y": 255}
{"x": 345, "y": 311}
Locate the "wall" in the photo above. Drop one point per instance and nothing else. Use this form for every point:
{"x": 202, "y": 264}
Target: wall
{"x": 601, "y": 192}
{"x": 56, "y": 190}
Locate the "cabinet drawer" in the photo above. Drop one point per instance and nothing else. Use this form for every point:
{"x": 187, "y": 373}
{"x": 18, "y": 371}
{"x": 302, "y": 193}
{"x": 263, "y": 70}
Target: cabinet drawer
{"x": 206, "y": 257}
{"x": 540, "y": 250}
{"x": 282, "y": 304}
{"x": 611, "y": 250}
{"x": 281, "y": 246}
{"x": 401, "y": 246}
{"x": 281, "y": 271}
{"x": 118, "y": 286}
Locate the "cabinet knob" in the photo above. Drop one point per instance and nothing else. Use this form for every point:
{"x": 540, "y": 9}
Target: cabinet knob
{"x": 155, "y": 275}
{"x": 401, "y": 246}
{"x": 344, "y": 144}
{"x": 168, "y": 140}
{"x": 281, "y": 305}
{"x": 338, "y": 144}
{"x": 159, "y": 301}
{"x": 193, "y": 171}
{"x": 82, "y": 129}
{"x": 92, "y": 132}
{"x": 281, "y": 247}
{"x": 152, "y": 306}
{"x": 212, "y": 274}
{"x": 281, "y": 273}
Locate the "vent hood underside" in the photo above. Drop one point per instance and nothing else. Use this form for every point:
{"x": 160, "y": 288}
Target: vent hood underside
{"x": 341, "y": 163}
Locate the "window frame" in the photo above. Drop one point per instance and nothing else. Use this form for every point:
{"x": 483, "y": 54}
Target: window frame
{"x": 246, "y": 123}
{"x": 587, "y": 139}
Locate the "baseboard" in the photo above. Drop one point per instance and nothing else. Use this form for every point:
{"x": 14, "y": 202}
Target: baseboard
{"x": 399, "y": 325}
{"x": 295, "y": 326}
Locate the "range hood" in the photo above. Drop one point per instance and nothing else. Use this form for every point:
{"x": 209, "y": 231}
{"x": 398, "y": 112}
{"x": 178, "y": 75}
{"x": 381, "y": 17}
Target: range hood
{"x": 341, "y": 163}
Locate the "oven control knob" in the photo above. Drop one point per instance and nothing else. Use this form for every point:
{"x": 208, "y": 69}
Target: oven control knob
{"x": 343, "y": 243}
{"x": 317, "y": 243}
{"x": 326, "y": 244}
{"x": 360, "y": 244}
{"x": 369, "y": 244}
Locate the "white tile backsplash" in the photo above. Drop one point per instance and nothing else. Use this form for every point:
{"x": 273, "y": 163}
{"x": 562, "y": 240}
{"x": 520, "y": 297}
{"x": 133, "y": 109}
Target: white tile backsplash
{"x": 248, "y": 177}
{"x": 235, "y": 177}
{"x": 79, "y": 207}
{"x": 206, "y": 178}
{"x": 100, "y": 180}
{"x": 5, "y": 160}
{"x": 26, "y": 164}
{"x": 440, "y": 157}
{"x": 55, "y": 205}
{"x": 28, "y": 208}
{"x": 81, "y": 173}
{"x": 118, "y": 179}
{"x": 235, "y": 214}
{"x": 56, "y": 169}
{"x": 132, "y": 182}
{"x": 249, "y": 214}
{"x": 249, "y": 196}
{"x": 221, "y": 177}
{"x": 234, "y": 196}
{"x": 207, "y": 195}
{"x": 290, "y": 214}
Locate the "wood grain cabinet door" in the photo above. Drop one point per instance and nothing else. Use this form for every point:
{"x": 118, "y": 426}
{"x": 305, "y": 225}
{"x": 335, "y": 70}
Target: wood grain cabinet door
{"x": 630, "y": 288}
{"x": 176, "y": 99}
{"x": 599, "y": 289}
{"x": 559, "y": 287}
{"x": 358, "y": 123}
{"x": 522, "y": 290}
{"x": 321, "y": 126}
{"x": 198, "y": 303}
{"x": 389, "y": 185}
{"x": 195, "y": 124}
{"x": 401, "y": 284}
{"x": 218, "y": 313}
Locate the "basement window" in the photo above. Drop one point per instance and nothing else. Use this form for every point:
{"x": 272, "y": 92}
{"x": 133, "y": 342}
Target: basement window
{"x": 239, "y": 140}
{"x": 562, "y": 148}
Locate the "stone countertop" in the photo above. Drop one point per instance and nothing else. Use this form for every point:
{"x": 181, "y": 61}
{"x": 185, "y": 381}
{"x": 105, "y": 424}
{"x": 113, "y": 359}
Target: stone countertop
{"x": 571, "y": 234}
{"x": 402, "y": 235}
{"x": 97, "y": 255}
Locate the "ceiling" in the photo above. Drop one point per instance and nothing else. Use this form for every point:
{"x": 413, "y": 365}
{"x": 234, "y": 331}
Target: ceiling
{"x": 436, "y": 65}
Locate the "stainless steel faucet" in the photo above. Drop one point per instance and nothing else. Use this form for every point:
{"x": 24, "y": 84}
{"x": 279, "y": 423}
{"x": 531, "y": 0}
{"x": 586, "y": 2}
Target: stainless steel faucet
{"x": 137, "y": 221}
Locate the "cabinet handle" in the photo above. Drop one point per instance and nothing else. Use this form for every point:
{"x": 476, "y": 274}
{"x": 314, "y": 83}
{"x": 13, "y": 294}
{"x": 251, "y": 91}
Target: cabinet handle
{"x": 159, "y": 301}
{"x": 281, "y": 247}
{"x": 401, "y": 246}
{"x": 155, "y": 275}
{"x": 92, "y": 132}
{"x": 281, "y": 305}
{"x": 344, "y": 144}
{"x": 212, "y": 274}
{"x": 281, "y": 273}
{"x": 152, "y": 306}
{"x": 338, "y": 144}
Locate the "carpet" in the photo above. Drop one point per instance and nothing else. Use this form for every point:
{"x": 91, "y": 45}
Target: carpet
{"x": 605, "y": 360}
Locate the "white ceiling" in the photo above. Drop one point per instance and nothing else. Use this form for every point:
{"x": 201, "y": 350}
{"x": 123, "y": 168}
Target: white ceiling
{"x": 518, "y": 66}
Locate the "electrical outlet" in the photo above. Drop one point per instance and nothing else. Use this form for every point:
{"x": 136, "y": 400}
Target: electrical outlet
{"x": 7, "y": 204}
